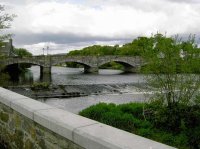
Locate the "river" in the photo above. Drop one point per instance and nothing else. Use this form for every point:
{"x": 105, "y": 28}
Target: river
{"x": 126, "y": 83}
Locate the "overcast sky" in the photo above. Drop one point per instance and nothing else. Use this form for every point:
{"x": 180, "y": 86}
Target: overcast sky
{"x": 64, "y": 25}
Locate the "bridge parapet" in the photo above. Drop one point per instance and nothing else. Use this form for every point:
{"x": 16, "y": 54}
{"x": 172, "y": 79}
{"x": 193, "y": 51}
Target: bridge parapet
{"x": 27, "y": 123}
{"x": 90, "y": 63}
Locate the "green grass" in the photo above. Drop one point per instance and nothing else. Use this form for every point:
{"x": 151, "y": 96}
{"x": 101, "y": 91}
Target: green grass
{"x": 140, "y": 119}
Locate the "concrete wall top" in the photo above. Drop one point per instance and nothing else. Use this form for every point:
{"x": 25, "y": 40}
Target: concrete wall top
{"x": 87, "y": 133}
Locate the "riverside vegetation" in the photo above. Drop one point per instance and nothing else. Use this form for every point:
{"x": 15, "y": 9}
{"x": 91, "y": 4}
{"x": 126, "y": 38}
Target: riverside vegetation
{"x": 12, "y": 71}
{"x": 5, "y": 23}
{"x": 172, "y": 114}
{"x": 152, "y": 121}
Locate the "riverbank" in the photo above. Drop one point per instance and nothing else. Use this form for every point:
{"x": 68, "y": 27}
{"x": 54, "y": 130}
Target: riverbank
{"x": 151, "y": 120}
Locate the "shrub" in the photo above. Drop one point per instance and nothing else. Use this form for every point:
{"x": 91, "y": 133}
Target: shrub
{"x": 117, "y": 116}
{"x": 4, "y": 77}
{"x": 96, "y": 111}
{"x": 119, "y": 120}
{"x": 136, "y": 109}
{"x": 176, "y": 126}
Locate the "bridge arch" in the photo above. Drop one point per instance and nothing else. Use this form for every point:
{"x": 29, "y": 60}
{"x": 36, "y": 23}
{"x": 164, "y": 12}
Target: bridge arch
{"x": 44, "y": 69}
{"x": 129, "y": 66}
{"x": 23, "y": 62}
{"x": 88, "y": 67}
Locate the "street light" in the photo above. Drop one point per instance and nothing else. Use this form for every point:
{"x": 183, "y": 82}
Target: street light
{"x": 47, "y": 50}
{"x": 43, "y": 50}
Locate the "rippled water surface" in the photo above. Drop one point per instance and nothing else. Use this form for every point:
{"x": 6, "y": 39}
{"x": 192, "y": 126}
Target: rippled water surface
{"x": 75, "y": 76}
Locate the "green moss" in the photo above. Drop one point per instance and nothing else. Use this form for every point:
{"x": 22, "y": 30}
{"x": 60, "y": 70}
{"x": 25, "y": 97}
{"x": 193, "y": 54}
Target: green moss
{"x": 33, "y": 133}
{"x": 19, "y": 136}
{"x": 4, "y": 117}
{"x": 17, "y": 121}
{"x": 42, "y": 144}
{"x": 29, "y": 144}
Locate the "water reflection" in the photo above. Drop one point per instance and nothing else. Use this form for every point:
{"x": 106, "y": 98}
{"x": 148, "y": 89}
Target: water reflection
{"x": 75, "y": 76}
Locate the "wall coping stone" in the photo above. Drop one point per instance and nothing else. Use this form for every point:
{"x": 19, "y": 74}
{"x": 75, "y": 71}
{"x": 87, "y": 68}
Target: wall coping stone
{"x": 61, "y": 122}
{"x": 85, "y": 132}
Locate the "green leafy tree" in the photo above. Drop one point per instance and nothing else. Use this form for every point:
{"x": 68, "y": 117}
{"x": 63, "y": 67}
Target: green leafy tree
{"x": 171, "y": 73}
{"x": 22, "y": 52}
{"x": 5, "y": 22}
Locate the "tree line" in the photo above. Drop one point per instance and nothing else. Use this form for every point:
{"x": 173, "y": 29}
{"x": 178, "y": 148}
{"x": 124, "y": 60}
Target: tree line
{"x": 151, "y": 47}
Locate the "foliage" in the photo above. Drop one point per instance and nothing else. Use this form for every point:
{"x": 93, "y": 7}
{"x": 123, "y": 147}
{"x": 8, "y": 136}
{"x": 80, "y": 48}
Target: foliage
{"x": 40, "y": 86}
{"x": 117, "y": 116}
{"x": 22, "y": 52}
{"x": 170, "y": 74}
{"x": 4, "y": 77}
{"x": 179, "y": 56}
{"x": 112, "y": 65}
{"x": 95, "y": 50}
{"x": 130, "y": 117}
{"x": 134, "y": 48}
{"x": 5, "y": 22}
{"x": 73, "y": 65}
{"x": 130, "y": 49}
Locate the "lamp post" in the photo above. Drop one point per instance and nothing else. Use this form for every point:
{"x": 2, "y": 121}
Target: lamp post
{"x": 47, "y": 50}
{"x": 43, "y": 51}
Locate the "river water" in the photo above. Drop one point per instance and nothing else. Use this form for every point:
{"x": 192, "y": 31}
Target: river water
{"x": 127, "y": 84}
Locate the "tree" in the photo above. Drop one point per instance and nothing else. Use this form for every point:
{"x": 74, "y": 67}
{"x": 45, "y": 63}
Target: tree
{"x": 171, "y": 70}
{"x": 5, "y": 22}
{"x": 171, "y": 74}
{"x": 22, "y": 52}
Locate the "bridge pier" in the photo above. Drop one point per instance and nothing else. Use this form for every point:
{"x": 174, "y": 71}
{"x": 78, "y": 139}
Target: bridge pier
{"x": 45, "y": 74}
{"x": 88, "y": 69}
{"x": 45, "y": 70}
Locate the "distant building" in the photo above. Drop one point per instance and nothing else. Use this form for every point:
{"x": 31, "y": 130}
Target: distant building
{"x": 6, "y": 48}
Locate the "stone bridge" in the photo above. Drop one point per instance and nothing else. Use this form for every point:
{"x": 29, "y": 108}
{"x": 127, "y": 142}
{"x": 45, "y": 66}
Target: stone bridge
{"x": 90, "y": 63}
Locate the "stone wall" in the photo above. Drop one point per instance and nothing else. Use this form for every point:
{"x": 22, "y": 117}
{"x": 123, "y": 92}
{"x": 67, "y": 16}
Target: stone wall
{"x": 90, "y": 63}
{"x": 28, "y": 124}
{"x": 17, "y": 131}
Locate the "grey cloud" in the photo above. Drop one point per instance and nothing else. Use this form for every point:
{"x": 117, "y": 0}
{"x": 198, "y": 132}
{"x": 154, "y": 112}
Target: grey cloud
{"x": 22, "y": 2}
{"x": 185, "y": 1}
{"x": 67, "y": 38}
{"x": 75, "y": 40}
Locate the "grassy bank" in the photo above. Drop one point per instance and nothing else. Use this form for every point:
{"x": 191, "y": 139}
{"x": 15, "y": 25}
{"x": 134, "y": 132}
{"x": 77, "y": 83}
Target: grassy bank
{"x": 149, "y": 121}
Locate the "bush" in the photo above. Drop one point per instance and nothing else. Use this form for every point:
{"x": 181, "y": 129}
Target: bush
{"x": 96, "y": 112}
{"x": 176, "y": 126}
{"x": 117, "y": 116}
{"x": 136, "y": 109}
{"x": 128, "y": 117}
{"x": 119, "y": 120}
{"x": 4, "y": 78}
